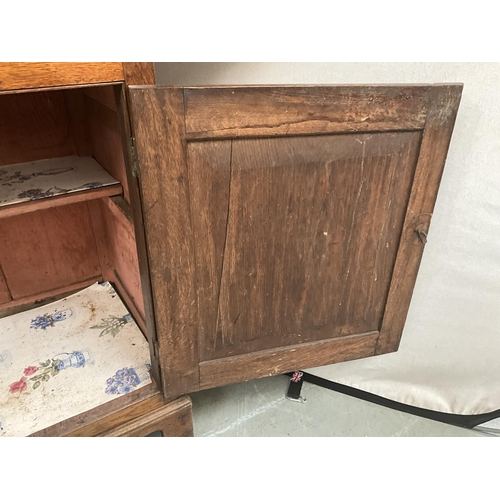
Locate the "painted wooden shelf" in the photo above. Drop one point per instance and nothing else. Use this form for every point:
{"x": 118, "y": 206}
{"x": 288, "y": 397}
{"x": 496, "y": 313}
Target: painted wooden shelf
{"x": 37, "y": 185}
{"x": 72, "y": 356}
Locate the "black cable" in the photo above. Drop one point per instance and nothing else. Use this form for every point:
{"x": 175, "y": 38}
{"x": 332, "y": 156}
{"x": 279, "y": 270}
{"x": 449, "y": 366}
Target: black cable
{"x": 467, "y": 421}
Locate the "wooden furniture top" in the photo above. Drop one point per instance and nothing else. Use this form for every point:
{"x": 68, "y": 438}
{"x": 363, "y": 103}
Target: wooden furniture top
{"x": 17, "y": 76}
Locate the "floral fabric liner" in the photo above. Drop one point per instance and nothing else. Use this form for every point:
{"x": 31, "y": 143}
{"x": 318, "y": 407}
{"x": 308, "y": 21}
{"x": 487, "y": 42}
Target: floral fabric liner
{"x": 47, "y": 178}
{"x": 65, "y": 358}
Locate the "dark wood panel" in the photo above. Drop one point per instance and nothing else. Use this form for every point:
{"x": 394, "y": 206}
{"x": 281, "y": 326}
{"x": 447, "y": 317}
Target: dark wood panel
{"x": 106, "y": 141}
{"x": 313, "y": 226}
{"x": 159, "y": 130}
{"x": 139, "y": 73}
{"x": 173, "y": 420}
{"x": 294, "y": 237}
{"x": 209, "y": 180}
{"x": 258, "y": 111}
{"x": 46, "y": 74}
{"x": 276, "y": 361}
{"x": 47, "y": 250}
{"x": 443, "y": 107}
{"x": 34, "y": 127}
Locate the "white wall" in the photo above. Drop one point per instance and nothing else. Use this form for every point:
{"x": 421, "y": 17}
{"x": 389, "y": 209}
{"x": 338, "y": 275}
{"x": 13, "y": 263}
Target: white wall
{"x": 456, "y": 304}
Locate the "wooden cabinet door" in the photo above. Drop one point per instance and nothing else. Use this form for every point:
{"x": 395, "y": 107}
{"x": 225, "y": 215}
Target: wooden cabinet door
{"x": 284, "y": 225}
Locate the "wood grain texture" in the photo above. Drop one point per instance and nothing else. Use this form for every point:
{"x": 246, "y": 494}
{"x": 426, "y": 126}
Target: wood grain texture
{"x": 293, "y": 244}
{"x": 173, "y": 420}
{"x": 139, "y": 73}
{"x": 34, "y": 127}
{"x": 7, "y": 211}
{"x": 107, "y": 416}
{"x": 272, "y": 111}
{"x": 4, "y": 289}
{"x": 209, "y": 183}
{"x": 106, "y": 141}
{"x": 159, "y": 131}
{"x": 32, "y": 75}
{"x": 277, "y": 361}
{"x": 47, "y": 250}
{"x": 443, "y": 108}
{"x": 140, "y": 235}
{"x": 296, "y": 237}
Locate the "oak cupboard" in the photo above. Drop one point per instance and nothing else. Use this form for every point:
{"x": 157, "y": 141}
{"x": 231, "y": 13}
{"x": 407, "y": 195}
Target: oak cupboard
{"x": 249, "y": 230}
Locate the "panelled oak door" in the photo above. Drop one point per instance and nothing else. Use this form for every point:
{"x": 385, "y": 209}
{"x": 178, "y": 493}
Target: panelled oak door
{"x": 284, "y": 225}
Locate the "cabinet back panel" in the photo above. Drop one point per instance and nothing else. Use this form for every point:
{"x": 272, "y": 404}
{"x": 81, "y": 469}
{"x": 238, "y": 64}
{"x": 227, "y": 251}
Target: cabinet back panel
{"x": 117, "y": 251}
{"x": 126, "y": 263}
{"x": 116, "y": 226}
{"x": 34, "y": 126}
{"x": 106, "y": 141}
{"x": 48, "y": 250}
{"x": 296, "y": 237}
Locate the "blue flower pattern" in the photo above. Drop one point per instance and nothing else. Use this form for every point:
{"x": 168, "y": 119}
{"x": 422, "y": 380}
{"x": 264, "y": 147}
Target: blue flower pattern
{"x": 35, "y": 194}
{"x": 123, "y": 382}
{"x": 43, "y": 322}
{"x": 92, "y": 185}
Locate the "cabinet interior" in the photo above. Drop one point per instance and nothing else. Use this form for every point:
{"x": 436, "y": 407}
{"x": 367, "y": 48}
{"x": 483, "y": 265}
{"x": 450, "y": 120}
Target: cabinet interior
{"x": 58, "y": 240}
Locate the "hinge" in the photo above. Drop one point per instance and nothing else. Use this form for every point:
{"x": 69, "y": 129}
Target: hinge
{"x": 156, "y": 349}
{"x": 134, "y": 162}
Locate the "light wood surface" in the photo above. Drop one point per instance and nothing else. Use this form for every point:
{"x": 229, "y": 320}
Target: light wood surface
{"x": 26, "y": 75}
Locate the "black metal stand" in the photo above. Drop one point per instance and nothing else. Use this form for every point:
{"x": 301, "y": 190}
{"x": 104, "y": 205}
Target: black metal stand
{"x": 293, "y": 394}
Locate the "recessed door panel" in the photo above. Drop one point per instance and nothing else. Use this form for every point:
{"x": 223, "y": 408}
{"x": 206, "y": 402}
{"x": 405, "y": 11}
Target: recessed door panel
{"x": 295, "y": 237}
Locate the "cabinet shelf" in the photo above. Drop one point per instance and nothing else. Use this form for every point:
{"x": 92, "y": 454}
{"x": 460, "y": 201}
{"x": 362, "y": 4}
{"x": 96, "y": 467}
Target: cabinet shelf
{"x": 32, "y": 186}
{"x": 68, "y": 357}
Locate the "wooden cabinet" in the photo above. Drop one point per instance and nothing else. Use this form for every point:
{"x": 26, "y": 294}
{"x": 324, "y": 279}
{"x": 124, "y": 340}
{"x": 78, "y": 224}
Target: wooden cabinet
{"x": 250, "y": 231}
{"x": 68, "y": 214}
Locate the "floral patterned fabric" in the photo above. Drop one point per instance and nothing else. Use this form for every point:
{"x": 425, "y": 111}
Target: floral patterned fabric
{"x": 66, "y": 358}
{"x": 52, "y": 177}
